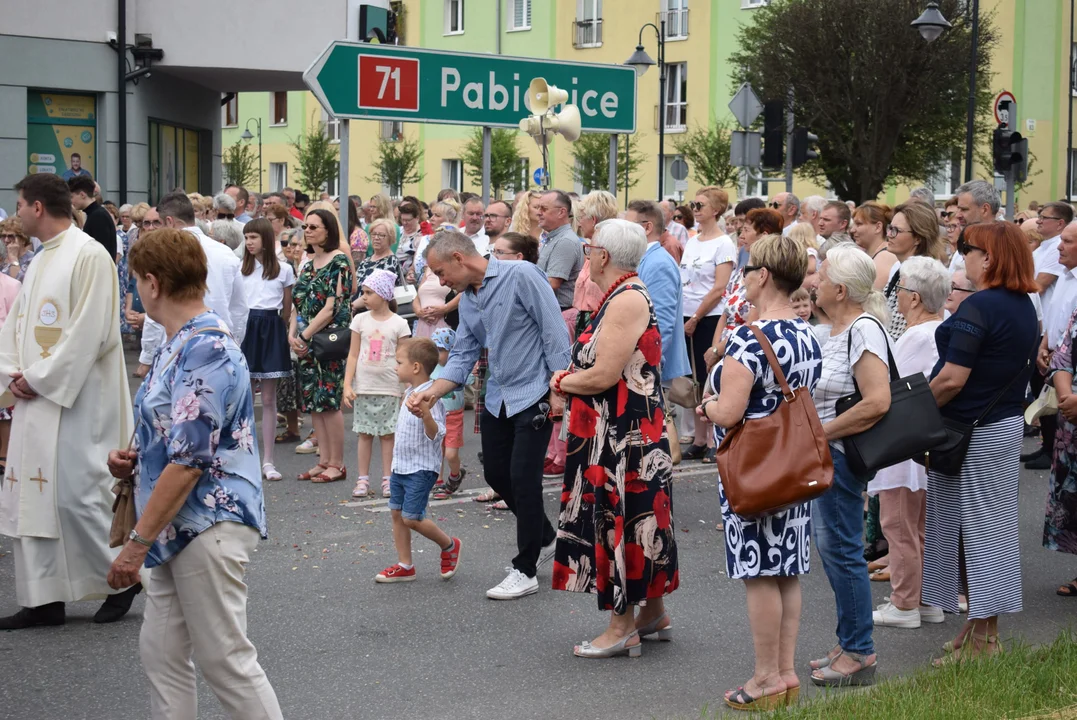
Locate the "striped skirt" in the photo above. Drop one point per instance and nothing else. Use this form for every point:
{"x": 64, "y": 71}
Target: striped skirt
{"x": 977, "y": 508}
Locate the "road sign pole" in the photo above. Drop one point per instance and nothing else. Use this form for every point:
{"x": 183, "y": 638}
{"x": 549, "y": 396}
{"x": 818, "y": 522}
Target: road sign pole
{"x": 486, "y": 166}
{"x": 345, "y": 166}
{"x": 1010, "y": 190}
{"x": 612, "y": 182}
{"x": 789, "y": 126}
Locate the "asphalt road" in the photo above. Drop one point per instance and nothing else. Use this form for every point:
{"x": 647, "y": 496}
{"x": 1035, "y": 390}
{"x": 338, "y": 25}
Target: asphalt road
{"x": 336, "y": 645}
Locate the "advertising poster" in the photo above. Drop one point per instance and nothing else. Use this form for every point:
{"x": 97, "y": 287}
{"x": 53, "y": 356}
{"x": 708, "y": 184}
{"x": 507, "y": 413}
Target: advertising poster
{"x": 61, "y": 134}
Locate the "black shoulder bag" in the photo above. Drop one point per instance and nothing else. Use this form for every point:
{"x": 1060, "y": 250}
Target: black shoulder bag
{"x": 911, "y": 426}
{"x": 334, "y": 341}
{"x": 949, "y": 456}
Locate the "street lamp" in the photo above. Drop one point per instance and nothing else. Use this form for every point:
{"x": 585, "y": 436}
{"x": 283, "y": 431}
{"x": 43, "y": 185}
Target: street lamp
{"x": 931, "y": 23}
{"x": 641, "y": 61}
{"x": 247, "y": 136}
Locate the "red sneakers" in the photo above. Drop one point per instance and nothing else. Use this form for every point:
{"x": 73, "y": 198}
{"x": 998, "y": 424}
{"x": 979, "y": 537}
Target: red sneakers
{"x": 450, "y": 560}
{"x": 396, "y": 573}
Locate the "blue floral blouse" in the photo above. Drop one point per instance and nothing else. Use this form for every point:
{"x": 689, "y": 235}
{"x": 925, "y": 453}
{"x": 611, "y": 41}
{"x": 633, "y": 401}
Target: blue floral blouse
{"x": 195, "y": 408}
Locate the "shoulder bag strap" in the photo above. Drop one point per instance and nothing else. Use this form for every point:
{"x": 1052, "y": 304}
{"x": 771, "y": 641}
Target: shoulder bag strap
{"x": 894, "y": 374}
{"x": 768, "y": 350}
{"x": 692, "y": 357}
{"x": 1005, "y": 387}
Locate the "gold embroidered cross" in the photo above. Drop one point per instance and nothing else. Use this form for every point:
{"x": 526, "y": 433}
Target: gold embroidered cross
{"x": 40, "y": 481}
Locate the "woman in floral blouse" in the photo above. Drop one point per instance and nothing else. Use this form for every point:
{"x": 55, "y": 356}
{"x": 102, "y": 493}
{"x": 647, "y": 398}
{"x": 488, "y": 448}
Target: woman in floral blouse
{"x": 198, "y": 493}
{"x": 18, "y": 249}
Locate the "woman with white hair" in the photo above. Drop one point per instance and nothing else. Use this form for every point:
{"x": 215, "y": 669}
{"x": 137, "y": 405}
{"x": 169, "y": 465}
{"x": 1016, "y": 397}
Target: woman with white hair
{"x": 615, "y": 534}
{"x": 855, "y": 354}
{"x": 923, "y": 285}
{"x": 593, "y": 208}
{"x": 225, "y": 232}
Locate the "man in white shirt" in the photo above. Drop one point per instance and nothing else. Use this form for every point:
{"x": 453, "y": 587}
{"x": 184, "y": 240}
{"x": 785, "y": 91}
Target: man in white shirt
{"x": 788, "y": 205}
{"x": 1051, "y": 221}
{"x": 474, "y": 225}
{"x": 678, "y": 231}
{"x": 224, "y": 282}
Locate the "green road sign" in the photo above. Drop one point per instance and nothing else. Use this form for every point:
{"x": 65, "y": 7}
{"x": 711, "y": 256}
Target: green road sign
{"x": 384, "y": 82}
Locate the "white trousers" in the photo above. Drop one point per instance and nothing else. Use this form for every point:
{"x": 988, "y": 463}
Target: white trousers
{"x": 196, "y": 605}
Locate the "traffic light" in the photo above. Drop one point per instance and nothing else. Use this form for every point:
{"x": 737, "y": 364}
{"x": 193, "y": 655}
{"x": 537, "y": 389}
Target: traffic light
{"x": 773, "y": 134}
{"x": 372, "y": 21}
{"x": 1009, "y": 150}
{"x": 804, "y": 146}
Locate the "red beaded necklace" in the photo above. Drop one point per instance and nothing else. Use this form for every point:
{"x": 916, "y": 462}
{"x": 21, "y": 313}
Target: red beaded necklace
{"x": 617, "y": 283}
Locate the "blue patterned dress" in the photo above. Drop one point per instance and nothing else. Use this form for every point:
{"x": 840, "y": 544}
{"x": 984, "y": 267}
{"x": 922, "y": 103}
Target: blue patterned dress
{"x": 775, "y": 545}
{"x": 195, "y": 408}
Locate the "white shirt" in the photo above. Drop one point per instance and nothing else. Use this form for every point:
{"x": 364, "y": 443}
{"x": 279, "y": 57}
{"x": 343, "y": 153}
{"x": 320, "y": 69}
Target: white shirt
{"x": 698, "y": 265}
{"x": 679, "y": 232}
{"x": 482, "y": 242}
{"x": 1058, "y": 310}
{"x": 265, "y": 294}
{"x": 225, "y": 295}
{"x": 1045, "y": 260}
{"x": 788, "y": 228}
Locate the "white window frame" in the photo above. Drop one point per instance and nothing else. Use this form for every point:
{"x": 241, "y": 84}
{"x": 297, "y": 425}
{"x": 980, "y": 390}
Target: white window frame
{"x": 234, "y": 102}
{"x": 392, "y": 130}
{"x": 278, "y": 176}
{"x": 594, "y": 7}
{"x": 273, "y": 109}
{"x": 676, "y": 95}
{"x": 454, "y": 11}
{"x": 452, "y": 174}
{"x": 332, "y": 127}
{"x": 749, "y": 187}
{"x": 751, "y": 4}
{"x": 333, "y": 186}
{"x": 948, "y": 170}
{"x": 678, "y": 8}
{"x": 526, "y": 13}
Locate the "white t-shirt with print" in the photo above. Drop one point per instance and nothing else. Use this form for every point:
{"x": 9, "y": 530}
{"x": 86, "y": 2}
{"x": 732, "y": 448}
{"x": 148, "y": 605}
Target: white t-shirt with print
{"x": 836, "y": 381}
{"x": 375, "y": 369}
{"x": 698, "y": 264}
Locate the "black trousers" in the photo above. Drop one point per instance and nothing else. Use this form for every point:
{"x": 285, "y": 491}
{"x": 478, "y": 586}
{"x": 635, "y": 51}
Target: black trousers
{"x": 1048, "y": 423}
{"x": 512, "y": 454}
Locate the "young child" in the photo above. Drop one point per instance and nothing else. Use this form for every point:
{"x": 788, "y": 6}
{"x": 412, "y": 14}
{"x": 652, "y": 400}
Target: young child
{"x": 416, "y": 463}
{"x": 267, "y": 284}
{"x": 801, "y": 301}
{"x": 444, "y": 338}
{"x": 370, "y": 379}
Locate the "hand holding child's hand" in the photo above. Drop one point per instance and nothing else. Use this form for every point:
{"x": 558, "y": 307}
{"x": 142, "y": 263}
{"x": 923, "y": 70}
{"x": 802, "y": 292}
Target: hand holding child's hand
{"x": 349, "y": 396}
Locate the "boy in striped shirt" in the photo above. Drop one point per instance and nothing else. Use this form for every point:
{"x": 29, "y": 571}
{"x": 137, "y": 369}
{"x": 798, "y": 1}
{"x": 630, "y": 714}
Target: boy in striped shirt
{"x": 417, "y": 458}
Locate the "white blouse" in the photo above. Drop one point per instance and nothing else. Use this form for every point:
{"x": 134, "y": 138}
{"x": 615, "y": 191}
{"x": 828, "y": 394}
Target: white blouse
{"x": 265, "y": 294}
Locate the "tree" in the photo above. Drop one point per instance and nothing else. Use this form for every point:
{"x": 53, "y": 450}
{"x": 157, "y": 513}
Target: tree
{"x": 399, "y": 163}
{"x": 706, "y": 150}
{"x": 316, "y": 160}
{"x": 504, "y": 159}
{"x": 591, "y": 168}
{"x": 240, "y": 165}
{"x": 885, "y": 104}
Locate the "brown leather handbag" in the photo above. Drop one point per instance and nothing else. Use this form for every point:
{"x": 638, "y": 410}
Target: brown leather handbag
{"x": 771, "y": 463}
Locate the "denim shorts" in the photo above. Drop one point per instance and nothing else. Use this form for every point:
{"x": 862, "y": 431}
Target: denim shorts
{"x": 410, "y": 493}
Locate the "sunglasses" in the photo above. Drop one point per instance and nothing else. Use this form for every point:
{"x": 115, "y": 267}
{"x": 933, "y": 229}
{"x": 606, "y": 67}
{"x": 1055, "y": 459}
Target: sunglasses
{"x": 775, "y": 205}
{"x": 309, "y": 227}
{"x": 751, "y": 268}
{"x": 695, "y": 206}
{"x": 225, "y": 216}
{"x": 544, "y": 414}
{"x": 964, "y": 248}
{"x": 6, "y": 238}
{"x": 678, "y": 217}
{"x": 945, "y": 214}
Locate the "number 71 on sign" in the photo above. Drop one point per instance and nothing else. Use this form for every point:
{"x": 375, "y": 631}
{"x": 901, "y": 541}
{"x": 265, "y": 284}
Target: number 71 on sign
{"x": 388, "y": 83}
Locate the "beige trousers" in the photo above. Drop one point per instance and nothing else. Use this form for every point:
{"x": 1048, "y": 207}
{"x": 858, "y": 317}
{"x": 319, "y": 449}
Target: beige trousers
{"x": 902, "y": 514}
{"x": 196, "y": 605}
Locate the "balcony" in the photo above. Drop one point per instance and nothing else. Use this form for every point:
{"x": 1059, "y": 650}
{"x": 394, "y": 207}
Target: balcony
{"x": 587, "y": 33}
{"x": 676, "y": 23}
{"x": 676, "y": 117}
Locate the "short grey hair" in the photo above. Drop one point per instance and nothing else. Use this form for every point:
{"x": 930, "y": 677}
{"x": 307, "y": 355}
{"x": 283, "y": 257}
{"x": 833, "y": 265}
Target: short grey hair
{"x": 923, "y": 194}
{"x": 982, "y": 192}
{"x": 625, "y": 242}
{"x": 793, "y": 200}
{"x": 813, "y": 203}
{"x": 447, "y": 242}
{"x": 225, "y": 231}
{"x": 224, "y": 201}
{"x": 125, "y": 208}
{"x": 929, "y": 278}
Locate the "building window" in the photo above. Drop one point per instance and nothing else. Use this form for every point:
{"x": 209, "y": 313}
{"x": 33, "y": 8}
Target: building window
{"x": 332, "y": 127}
{"x": 452, "y": 174}
{"x": 947, "y": 176}
{"x": 753, "y": 3}
{"x": 278, "y": 176}
{"x": 523, "y": 177}
{"x": 230, "y": 111}
{"x": 392, "y": 130}
{"x": 333, "y": 187}
{"x": 675, "y": 15}
{"x": 454, "y": 17}
{"x": 279, "y": 108}
{"x": 677, "y": 97}
{"x": 175, "y": 159}
{"x": 587, "y": 30}
{"x": 1073, "y": 175}
{"x": 519, "y": 15}
{"x": 1073, "y": 70}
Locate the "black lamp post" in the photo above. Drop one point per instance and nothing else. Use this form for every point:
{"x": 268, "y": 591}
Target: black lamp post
{"x": 247, "y": 136}
{"x": 641, "y": 61}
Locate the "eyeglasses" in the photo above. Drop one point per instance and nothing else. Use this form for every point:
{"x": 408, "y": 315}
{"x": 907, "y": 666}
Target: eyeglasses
{"x": 678, "y": 216}
{"x": 955, "y": 288}
{"x": 152, "y": 224}
{"x": 905, "y": 288}
{"x": 6, "y": 238}
{"x": 893, "y": 232}
{"x": 695, "y": 206}
{"x": 751, "y": 268}
{"x": 504, "y": 253}
{"x": 225, "y": 216}
{"x": 308, "y": 227}
{"x": 492, "y": 216}
{"x": 378, "y": 236}
{"x": 588, "y": 248}
{"x": 1048, "y": 217}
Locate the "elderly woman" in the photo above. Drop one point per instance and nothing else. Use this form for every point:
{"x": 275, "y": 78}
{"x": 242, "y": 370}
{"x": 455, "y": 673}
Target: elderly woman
{"x": 198, "y": 493}
{"x": 443, "y": 216}
{"x": 983, "y": 367}
{"x": 615, "y": 532}
{"x": 960, "y": 290}
{"x": 226, "y": 233}
{"x": 706, "y": 266}
{"x": 320, "y": 297}
{"x": 856, "y": 346}
{"x": 19, "y": 249}
{"x": 868, "y": 229}
{"x": 771, "y": 552}
{"x": 923, "y": 286}
{"x": 382, "y": 233}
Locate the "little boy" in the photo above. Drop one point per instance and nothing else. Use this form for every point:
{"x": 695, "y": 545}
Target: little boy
{"x": 444, "y": 338}
{"x": 416, "y": 464}
{"x": 801, "y": 301}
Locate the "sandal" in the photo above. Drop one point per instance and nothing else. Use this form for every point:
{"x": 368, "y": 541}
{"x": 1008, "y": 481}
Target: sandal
{"x": 269, "y": 472}
{"x": 362, "y": 488}
{"x": 982, "y": 645}
{"x": 825, "y": 661}
{"x": 882, "y": 575}
{"x": 485, "y": 497}
{"x": 310, "y": 474}
{"x": 385, "y": 488}
{"x": 500, "y": 505}
{"x": 286, "y": 437}
{"x": 829, "y": 677}
{"x": 324, "y": 478}
{"x": 739, "y": 699}
{"x": 1068, "y": 590}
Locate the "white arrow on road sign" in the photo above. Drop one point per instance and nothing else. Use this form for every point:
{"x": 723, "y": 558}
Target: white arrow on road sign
{"x": 745, "y": 105}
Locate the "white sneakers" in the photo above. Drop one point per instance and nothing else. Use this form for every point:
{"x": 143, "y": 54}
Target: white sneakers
{"x": 515, "y": 585}
{"x": 887, "y": 615}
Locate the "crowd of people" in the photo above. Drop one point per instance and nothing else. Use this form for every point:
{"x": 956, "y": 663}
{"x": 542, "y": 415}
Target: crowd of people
{"x": 588, "y": 340}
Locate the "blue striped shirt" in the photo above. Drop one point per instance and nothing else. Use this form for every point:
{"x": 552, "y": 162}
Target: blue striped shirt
{"x": 412, "y": 449}
{"x": 516, "y": 316}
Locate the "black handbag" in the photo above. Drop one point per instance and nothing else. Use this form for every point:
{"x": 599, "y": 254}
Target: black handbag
{"x": 912, "y": 425}
{"x": 949, "y": 456}
{"x": 331, "y": 343}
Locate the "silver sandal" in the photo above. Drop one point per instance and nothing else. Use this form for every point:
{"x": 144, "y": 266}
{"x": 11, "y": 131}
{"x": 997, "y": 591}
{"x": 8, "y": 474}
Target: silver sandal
{"x": 587, "y": 650}
{"x": 665, "y": 634}
{"x": 832, "y": 678}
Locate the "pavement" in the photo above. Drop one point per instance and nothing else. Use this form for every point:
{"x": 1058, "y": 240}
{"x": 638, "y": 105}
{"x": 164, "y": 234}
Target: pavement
{"x": 337, "y": 645}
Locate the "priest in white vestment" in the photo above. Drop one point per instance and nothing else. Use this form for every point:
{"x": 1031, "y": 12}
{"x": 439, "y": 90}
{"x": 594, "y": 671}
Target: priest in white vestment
{"x": 61, "y": 360}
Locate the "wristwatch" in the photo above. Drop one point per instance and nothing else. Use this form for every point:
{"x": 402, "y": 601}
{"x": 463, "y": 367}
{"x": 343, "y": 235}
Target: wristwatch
{"x": 139, "y": 539}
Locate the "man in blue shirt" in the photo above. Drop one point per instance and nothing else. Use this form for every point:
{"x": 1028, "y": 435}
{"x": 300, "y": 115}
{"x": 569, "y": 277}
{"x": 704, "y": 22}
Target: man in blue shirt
{"x": 509, "y": 308}
{"x": 76, "y": 169}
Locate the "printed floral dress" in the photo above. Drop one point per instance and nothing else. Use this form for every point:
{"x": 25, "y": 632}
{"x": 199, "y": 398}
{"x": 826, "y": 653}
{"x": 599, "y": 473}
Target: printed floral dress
{"x": 615, "y": 534}
{"x": 736, "y": 302}
{"x": 1060, "y": 526}
{"x": 321, "y": 385}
